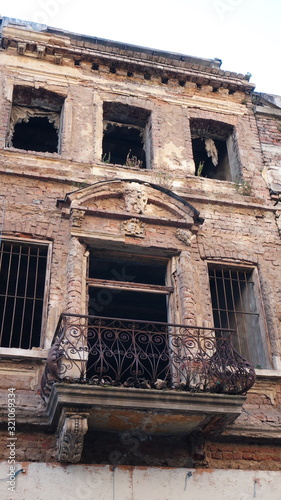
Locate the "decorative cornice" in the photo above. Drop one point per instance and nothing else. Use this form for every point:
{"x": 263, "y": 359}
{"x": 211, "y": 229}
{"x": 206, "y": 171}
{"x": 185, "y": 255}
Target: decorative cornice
{"x": 124, "y": 57}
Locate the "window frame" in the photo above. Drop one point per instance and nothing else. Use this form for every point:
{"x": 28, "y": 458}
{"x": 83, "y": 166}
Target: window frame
{"x": 130, "y": 286}
{"x": 42, "y": 243}
{"x": 258, "y": 298}
{"x": 144, "y": 126}
{"x": 205, "y": 128}
{"x": 37, "y": 112}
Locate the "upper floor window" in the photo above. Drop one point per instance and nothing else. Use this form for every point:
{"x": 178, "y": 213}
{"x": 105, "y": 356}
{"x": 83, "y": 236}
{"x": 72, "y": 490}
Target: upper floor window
{"x": 22, "y": 288}
{"x": 35, "y": 120}
{"x": 237, "y": 305}
{"x": 214, "y": 149}
{"x": 126, "y": 135}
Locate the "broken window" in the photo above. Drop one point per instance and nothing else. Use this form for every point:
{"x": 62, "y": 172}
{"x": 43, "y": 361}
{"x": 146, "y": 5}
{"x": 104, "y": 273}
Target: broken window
{"x": 236, "y": 303}
{"x": 215, "y": 150}
{"x": 35, "y": 120}
{"x": 22, "y": 288}
{"x": 126, "y": 135}
{"x": 133, "y": 289}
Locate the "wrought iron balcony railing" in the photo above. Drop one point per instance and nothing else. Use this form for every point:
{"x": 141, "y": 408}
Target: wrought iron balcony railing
{"x": 130, "y": 353}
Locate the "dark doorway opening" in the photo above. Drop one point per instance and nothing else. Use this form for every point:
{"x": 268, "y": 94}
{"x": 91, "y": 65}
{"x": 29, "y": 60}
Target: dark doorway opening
{"x": 125, "y": 345}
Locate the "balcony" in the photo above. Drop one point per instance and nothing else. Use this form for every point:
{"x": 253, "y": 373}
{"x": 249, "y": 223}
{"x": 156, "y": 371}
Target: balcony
{"x": 116, "y": 374}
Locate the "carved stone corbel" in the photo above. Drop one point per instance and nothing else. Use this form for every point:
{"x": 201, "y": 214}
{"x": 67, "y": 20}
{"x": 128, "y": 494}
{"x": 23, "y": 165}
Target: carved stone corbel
{"x": 77, "y": 217}
{"x": 185, "y": 237}
{"x": 71, "y": 430}
{"x": 21, "y": 48}
{"x": 58, "y": 59}
{"x": 41, "y": 51}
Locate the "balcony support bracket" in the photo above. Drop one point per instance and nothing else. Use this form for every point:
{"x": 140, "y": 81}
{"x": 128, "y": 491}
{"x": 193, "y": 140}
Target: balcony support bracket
{"x": 72, "y": 427}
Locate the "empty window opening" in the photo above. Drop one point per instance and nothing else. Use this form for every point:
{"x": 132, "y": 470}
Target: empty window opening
{"x": 236, "y": 304}
{"x": 35, "y": 120}
{"x": 132, "y": 289}
{"x": 126, "y": 136}
{"x": 215, "y": 150}
{"x": 38, "y": 134}
{"x": 137, "y": 288}
{"x": 22, "y": 287}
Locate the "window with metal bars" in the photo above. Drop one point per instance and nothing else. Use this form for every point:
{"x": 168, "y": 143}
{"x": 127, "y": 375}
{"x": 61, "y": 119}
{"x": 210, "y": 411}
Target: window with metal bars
{"x": 236, "y": 304}
{"x": 22, "y": 286}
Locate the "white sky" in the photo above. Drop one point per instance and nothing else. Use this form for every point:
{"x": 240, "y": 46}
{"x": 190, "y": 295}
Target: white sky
{"x": 245, "y": 34}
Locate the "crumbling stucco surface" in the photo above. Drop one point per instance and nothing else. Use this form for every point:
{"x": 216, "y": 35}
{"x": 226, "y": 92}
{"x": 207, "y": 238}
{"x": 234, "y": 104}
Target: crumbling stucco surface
{"x": 75, "y": 202}
{"x": 104, "y": 482}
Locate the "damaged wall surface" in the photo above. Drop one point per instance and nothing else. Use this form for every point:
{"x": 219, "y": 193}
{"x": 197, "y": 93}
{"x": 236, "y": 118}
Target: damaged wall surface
{"x": 137, "y": 483}
{"x": 140, "y": 265}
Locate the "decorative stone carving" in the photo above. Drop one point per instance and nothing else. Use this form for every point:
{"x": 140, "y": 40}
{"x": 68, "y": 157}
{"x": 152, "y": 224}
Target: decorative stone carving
{"x": 41, "y": 51}
{"x": 185, "y": 237}
{"x": 58, "y": 59}
{"x": 77, "y": 217}
{"x": 21, "y": 48}
{"x": 135, "y": 198}
{"x": 134, "y": 227}
{"x": 71, "y": 430}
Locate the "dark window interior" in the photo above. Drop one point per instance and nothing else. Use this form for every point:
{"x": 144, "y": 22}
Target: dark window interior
{"x": 122, "y": 269}
{"x": 22, "y": 285}
{"x": 38, "y": 134}
{"x": 35, "y": 119}
{"x": 209, "y": 145}
{"x": 123, "y": 145}
{"x": 128, "y": 304}
{"x": 204, "y": 166}
{"x": 123, "y": 139}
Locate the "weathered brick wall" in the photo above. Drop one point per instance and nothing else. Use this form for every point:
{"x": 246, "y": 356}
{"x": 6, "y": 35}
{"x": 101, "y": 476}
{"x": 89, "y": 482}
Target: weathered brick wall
{"x": 247, "y": 456}
{"x": 239, "y": 228}
{"x": 269, "y": 128}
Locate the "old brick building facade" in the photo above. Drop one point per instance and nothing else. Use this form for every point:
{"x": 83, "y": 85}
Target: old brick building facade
{"x": 140, "y": 232}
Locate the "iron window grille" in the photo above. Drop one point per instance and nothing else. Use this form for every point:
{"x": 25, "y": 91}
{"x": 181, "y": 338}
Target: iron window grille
{"x": 22, "y": 287}
{"x": 236, "y": 304}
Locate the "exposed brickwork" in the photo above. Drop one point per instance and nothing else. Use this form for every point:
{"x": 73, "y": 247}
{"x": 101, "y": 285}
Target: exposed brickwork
{"x": 243, "y": 456}
{"x": 30, "y": 447}
{"x": 240, "y": 227}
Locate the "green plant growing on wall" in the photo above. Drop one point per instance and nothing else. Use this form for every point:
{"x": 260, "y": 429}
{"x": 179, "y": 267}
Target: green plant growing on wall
{"x": 244, "y": 187}
{"x": 80, "y": 185}
{"x": 106, "y": 158}
{"x": 200, "y": 168}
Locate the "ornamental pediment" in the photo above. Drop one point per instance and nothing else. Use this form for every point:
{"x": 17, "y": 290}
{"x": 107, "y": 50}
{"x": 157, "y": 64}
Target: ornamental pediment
{"x": 130, "y": 198}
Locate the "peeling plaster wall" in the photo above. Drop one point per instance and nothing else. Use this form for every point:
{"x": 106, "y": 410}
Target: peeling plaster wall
{"x": 45, "y": 481}
{"x": 239, "y": 229}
